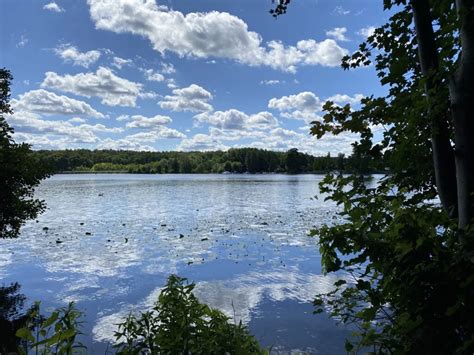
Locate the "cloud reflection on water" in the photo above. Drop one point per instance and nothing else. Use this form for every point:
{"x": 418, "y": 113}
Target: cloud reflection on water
{"x": 108, "y": 242}
{"x": 239, "y": 297}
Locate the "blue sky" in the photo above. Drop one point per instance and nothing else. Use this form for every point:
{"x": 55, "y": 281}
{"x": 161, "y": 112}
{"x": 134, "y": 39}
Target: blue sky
{"x": 182, "y": 75}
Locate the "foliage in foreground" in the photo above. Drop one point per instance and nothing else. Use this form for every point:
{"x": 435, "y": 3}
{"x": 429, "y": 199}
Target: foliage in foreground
{"x": 177, "y": 323}
{"x": 407, "y": 244}
{"x": 20, "y": 172}
{"x": 410, "y": 284}
{"x": 56, "y": 334}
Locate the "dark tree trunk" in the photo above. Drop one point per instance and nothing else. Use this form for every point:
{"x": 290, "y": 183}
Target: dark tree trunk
{"x": 443, "y": 153}
{"x": 462, "y": 98}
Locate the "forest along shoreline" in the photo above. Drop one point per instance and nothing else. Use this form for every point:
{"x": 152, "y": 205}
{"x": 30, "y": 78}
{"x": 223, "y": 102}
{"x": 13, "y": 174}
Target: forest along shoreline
{"x": 241, "y": 160}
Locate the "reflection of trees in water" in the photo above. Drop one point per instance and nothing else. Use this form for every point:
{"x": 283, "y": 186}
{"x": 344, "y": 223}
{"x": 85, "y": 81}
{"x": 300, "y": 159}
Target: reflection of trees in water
{"x": 11, "y": 317}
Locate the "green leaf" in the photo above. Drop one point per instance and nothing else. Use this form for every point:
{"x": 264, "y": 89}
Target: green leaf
{"x": 54, "y": 316}
{"x": 25, "y": 333}
{"x": 348, "y": 346}
{"x": 67, "y": 334}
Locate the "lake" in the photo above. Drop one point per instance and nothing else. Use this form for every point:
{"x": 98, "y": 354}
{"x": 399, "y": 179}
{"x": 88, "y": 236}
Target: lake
{"x": 108, "y": 242}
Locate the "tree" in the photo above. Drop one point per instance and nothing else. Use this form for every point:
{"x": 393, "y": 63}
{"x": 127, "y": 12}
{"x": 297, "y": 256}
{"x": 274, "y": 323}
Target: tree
{"x": 359, "y": 160}
{"x": 228, "y": 166}
{"x": 407, "y": 260}
{"x": 292, "y": 163}
{"x": 185, "y": 165}
{"x": 173, "y": 165}
{"x": 340, "y": 162}
{"x": 237, "y": 167}
{"x": 20, "y": 172}
{"x": 252, "y": 161}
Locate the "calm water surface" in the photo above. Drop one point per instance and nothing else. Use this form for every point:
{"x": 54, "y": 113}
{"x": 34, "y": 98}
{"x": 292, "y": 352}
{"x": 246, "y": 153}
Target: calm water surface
{"x": 120, "y": 238}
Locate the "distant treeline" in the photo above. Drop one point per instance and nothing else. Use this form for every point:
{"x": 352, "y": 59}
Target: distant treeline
{"x": 240, "y": 160}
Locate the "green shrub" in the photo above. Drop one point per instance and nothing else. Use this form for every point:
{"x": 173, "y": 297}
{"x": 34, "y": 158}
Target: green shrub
{"x": 178, "y": 323}
{"x": 53, "y": 335}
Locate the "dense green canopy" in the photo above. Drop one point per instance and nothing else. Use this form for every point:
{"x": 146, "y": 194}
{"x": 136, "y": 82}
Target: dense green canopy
{"x": 19, "y": 172}
{"x": 240, "y": 160}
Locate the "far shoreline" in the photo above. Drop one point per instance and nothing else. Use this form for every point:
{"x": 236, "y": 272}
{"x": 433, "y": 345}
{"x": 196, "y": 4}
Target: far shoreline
{"x": 209, "y": 173}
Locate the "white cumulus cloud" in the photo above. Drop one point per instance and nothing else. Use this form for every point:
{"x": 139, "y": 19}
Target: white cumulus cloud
{"x": 158, "y": 133}
{"x": 76, "y": 120}
{"x": 304, "y": 101}
{"x": 124, "y": 144}
{"x": 343, "y": 99}
{"x": 237, "y": 120}
{"x": 211, "y": 34}
{"x": 366, "y": 31}
{"x": 52, "y": 6}
{"x": 71, "y": 54}
{"x": 46, "y": 102}
{"x": 307, "y": 106}
{"x": 32, "y": 124}
{"x": 152, "y": 75}
{"x": 201, "y": 142}
{"x": 112, "y": 89}
{"x": 193, "y": 98}
{"x": 121, "y": 62}
{"x": 141, "y": 141}
{"x": 167, "y": 68}
{"x": 138, "y": 121}
{"x": 338, "y": 33}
